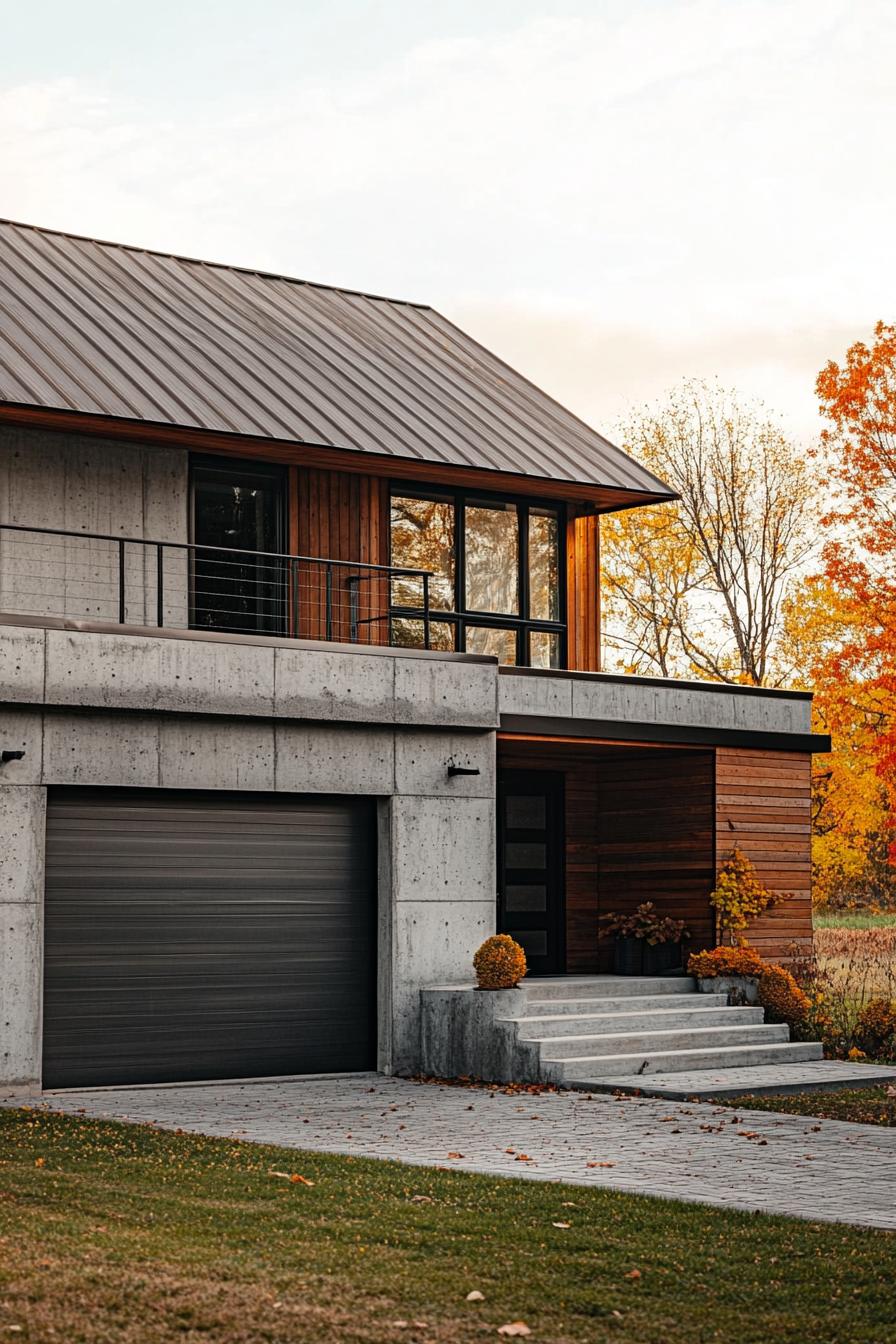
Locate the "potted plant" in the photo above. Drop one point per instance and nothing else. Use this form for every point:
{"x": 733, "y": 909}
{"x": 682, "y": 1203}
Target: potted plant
{"x": 646, "y": 942}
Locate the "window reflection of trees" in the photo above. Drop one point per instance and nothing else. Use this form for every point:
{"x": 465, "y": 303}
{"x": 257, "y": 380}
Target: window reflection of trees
{"x": 492, "y": 558}
{"x": 511, "y": 565}
{"x": 423, "y": 538}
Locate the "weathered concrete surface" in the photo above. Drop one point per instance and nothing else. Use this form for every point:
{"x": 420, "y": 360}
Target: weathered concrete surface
{"x": 22, "y": 828}
{"x": 21, "y": 941}
{"x": 825, "y": 1170}
{"x": 21, "y": 665}
{"x": 105, "y": 669}
{"x": 22, "y": 822}
{"x": 334, "y": 758}
{"x": 173, "y": 675}
{"x": 328, "y": 685}
{"x": 595, "y": 696}
{"x": 83, "y": 484}
{"x": 466, "y": 1033}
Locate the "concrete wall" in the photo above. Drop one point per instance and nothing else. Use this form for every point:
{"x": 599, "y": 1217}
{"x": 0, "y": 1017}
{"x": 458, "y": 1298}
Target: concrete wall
{"x": 106, "y": 710}
{"x": 82, "y": 484}
{"x": 608, "y": 699}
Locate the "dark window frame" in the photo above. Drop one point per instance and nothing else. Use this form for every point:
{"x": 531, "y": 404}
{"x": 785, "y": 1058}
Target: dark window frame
{"x": 210, "y": 467}
{"x": 462, "y": 618}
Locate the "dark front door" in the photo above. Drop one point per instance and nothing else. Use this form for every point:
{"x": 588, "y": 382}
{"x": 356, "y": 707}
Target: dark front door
{"x": 240, "y": 581}
{"x": 530, "y": 865}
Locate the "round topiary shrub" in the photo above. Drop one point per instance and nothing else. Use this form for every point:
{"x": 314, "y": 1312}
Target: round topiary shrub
{"x": 876, "y": 1029}
{"x": 500, "y": 963}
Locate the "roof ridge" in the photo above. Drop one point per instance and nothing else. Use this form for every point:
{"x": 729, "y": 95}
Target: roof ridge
{"x": 217, "y": 265}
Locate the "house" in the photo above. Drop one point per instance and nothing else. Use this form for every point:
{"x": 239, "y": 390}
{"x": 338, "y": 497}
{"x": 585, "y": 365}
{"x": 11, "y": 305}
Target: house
{"x": 300, "y": 665}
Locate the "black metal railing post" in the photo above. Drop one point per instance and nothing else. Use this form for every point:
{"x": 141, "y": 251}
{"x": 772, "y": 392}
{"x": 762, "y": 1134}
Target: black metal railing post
{"x": 160, "y": 586}
{"x": 426, "y": 630}
{"x": 353, "y": 606}
{"x": 294, "y": 597}
{"x": 121, "y": 594}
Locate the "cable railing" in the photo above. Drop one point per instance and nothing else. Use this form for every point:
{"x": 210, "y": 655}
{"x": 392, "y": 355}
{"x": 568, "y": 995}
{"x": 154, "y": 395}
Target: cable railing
{"x": 132, "y": 581}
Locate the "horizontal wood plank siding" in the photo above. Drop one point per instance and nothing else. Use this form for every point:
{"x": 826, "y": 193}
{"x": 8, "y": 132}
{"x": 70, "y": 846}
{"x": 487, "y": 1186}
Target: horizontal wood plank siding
{"x": 763, "y": 805}
{"x": 656, "y": 840}
{"x": 639, "y": 827}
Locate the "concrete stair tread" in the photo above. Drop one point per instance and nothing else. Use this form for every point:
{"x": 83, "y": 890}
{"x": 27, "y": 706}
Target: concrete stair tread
{"x": 696, "y": 1013}
{"x": 576, "y": 1070}
{"x": 607, "y": 986}
{"x": 651, "y": 1042}
{"x": 770, "y": 1080}
{"x": 624, "y": 1004}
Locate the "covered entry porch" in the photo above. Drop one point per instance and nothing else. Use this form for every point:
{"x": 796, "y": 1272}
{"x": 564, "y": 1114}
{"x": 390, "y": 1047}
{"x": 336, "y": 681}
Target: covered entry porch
{"x": 588, "y": 827}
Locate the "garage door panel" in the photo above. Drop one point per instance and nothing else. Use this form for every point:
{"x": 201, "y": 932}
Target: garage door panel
{"x": 201, "y": 936}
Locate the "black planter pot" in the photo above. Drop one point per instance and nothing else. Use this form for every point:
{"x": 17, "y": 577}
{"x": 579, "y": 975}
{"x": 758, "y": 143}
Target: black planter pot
{"x": 661, "y": 957}
{"x": 628, "y": 956}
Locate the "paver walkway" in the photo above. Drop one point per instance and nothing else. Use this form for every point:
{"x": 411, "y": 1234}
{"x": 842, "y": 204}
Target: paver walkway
{"x": 818, "y": 1169}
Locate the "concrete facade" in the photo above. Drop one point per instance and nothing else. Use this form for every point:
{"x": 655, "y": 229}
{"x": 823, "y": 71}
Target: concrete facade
{"x": 92, "y": 703}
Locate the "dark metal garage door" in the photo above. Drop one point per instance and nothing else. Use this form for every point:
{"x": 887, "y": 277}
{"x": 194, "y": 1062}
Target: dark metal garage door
{"x": 193, "y": 935}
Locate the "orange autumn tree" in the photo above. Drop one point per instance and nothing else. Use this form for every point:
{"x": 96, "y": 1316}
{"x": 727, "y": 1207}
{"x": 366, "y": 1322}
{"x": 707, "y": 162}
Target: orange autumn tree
{"x": 858, "y": 399}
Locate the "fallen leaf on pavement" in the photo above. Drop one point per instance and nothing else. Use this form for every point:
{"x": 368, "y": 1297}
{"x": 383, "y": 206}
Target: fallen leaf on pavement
{"x": 600, "y": 1164}
{"x": 455, "y": 1154}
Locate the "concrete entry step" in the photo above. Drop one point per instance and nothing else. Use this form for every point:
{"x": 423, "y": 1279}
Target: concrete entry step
{"x": 631, "y": 1003}
{"x": 655, "y": 1019}
{"x": 563, "y": 1048}
{"x": 583, "y": 1072}
{"x": 606, "y": 986}
{"x": 761, "y": 1080}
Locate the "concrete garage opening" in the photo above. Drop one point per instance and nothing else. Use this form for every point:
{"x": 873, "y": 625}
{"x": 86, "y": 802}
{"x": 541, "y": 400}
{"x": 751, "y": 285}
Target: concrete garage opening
{"x": 193, "y": 935}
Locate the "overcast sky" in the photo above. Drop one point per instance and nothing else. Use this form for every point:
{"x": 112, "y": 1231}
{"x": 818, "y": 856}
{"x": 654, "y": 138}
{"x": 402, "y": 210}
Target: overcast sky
{"x": 612, "y": 195}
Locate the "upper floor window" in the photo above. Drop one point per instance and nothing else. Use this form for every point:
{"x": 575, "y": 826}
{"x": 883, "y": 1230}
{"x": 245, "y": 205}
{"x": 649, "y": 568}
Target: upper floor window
{"x": 497, "y": 576}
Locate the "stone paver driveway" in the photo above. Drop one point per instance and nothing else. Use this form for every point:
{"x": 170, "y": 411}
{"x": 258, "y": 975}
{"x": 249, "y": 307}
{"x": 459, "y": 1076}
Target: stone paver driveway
{"x": 816, "y": 1169}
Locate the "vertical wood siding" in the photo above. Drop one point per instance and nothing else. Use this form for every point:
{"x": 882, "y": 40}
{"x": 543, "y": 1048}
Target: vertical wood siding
{"x": 763, "y": 805}
{"x": 340, "y": 516}
{"x": 583, "y": 590}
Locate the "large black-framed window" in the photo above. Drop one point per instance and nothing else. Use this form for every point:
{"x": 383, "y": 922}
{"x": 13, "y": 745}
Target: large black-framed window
{"x": 498, "y": 584}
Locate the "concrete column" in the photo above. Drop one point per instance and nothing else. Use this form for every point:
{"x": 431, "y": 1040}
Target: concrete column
{"x": 23, "y": 827}
{"x": 438, "y": 902}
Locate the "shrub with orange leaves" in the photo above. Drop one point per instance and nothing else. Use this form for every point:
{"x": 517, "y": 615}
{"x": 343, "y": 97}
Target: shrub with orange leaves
{"x": 500, "y": 963}
{"x": 725, "y": 961}
{"x": 781, "y": 997}
{"x": 876, "y": 1029}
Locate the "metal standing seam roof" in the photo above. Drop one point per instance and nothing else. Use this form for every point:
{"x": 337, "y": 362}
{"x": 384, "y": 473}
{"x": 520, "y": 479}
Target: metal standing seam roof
{"x": 118, "y": 331}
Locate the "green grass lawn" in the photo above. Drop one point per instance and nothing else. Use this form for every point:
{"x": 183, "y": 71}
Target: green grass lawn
{"x": 865, "y": 1105}
{"x": 846, "y": 920}
{"x": 120, "y": 1233}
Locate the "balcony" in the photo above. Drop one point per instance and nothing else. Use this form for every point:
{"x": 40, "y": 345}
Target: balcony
{"x": 136, "y": 582}
{"x": 128, "y": 581}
